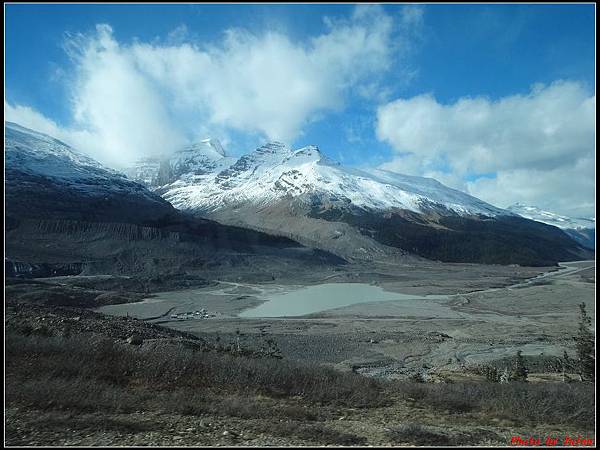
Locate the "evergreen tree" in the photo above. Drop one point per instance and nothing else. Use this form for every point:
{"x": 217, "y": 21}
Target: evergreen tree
{"x": 566, "y": 361}
{"x": 519, "y": 372}
{"x": 566, "y": 365}
{"x": 584, "y": 345}
{"x": 491, "y": 374}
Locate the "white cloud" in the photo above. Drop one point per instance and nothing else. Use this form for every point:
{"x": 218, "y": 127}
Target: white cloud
{"x": 536, "y": 138}
{"x": 29, "y": 118}
{"x": 117, "y": 103}
{"x": 267, "y": 83}
{"x": 412, "y": 18}
{"x": 144, "y": 98}
{"x": 569, "y": 189}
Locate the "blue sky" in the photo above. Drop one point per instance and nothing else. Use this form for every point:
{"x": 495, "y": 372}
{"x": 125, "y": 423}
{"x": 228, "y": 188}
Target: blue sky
{"x": 358, "y": 77}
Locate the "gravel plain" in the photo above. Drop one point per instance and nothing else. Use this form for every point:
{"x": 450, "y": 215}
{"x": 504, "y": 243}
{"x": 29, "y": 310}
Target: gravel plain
{"x": 461, "y": 315}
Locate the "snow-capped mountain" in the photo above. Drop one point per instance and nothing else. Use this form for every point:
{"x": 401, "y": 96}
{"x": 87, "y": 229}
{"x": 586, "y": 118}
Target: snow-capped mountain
{"x": 298, "y": 194}
{"x": 47, "y": 178}
{"x": 199, "y": 158}
{"x": 274, "y": 172}
{"x": 206, "y": 156}
{"x": 356, "y": 213}
{"x": 582, "y": 229}
{"x": 66, "y": 213}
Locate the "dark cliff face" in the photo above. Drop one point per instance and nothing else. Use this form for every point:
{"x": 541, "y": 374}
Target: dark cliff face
{"x": 453, "y": 238}
{"x": 36, "y": 196}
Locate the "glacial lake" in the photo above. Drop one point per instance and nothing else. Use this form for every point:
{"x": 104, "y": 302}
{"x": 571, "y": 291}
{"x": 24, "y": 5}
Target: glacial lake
{"x": 312, "y": 299}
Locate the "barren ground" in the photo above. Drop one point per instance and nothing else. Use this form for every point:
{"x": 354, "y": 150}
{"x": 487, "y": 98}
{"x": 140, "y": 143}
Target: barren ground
{"x": 469, "y": 319}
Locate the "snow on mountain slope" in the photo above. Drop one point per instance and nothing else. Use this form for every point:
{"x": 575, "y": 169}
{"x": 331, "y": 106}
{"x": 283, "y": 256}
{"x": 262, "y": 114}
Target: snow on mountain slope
{"x": 550, "y": 218}
{"x": 582, "y": 230}
{"x": 39, "y": 153}
{"x": 145, "y": 171}
{"x": 45, "y": 178}
{"x": 274, "y": 172}
{"x": 199, "y": 158}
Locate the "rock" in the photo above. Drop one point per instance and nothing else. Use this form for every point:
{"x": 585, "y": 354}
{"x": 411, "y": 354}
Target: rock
{"x": 135, "y": 340}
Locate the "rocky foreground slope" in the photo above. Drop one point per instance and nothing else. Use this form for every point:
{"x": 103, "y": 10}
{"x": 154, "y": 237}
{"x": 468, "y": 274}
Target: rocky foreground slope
{"x": 75, "y": 377}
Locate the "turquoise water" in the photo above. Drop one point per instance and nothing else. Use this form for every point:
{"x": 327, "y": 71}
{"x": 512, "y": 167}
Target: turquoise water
{"x": 312, "y": 299}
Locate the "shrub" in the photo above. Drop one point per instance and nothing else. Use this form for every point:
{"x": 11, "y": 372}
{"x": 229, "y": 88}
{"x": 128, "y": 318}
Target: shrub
{"x": 415, "y": 434}
{"x": 531, "y": 403}
{"x": 491, "y": 374}
{"x": 174, "y": 368}
{"x": 315, "y": 433}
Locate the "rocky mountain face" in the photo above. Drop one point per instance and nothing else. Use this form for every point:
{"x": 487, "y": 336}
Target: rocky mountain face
{"x": 67, "y": 214}
{"x": 581, "y": 229}
{"x": 200, "y": 158}
{"x": 362, "y": 214}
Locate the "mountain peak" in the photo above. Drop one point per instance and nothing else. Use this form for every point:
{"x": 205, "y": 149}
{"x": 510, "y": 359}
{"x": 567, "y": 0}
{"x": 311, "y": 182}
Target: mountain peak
{"x": 47, "y": 179}
{"x": 308, "y": 150}
{"x": 274, "y": 147}
{"x": 311, "y": 153}
{"x": 209, "y": 147}
{"x": 274, "y": 171}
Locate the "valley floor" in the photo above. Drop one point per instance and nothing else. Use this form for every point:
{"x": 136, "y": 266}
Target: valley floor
{"x": 474, "y": 314}
{"x": 213, "y": 378}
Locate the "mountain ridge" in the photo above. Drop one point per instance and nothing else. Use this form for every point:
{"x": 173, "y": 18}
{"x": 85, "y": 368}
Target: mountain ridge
{"x": 274, "y": 171}
{"x": 305, "y": 195}
{"x": 581, "y": 229}
{"x": 68, "y": 214}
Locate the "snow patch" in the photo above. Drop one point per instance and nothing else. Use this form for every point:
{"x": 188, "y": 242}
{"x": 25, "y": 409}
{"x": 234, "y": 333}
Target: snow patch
{"x": 550, "y": 218}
